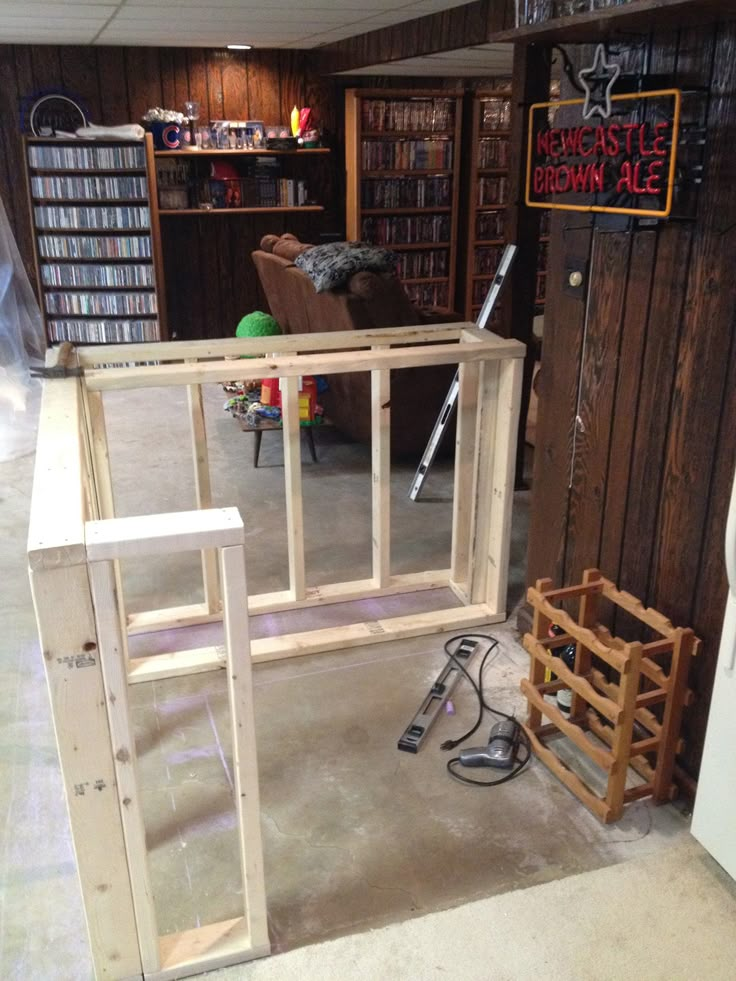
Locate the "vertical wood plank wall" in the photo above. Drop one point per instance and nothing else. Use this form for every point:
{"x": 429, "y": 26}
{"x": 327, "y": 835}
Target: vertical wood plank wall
{"x": 210, "y": 278}
{"x": 652, "y": 378}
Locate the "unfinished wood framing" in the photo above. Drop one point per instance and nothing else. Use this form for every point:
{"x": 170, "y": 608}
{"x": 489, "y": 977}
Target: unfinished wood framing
{"x": 76, "y": 544}
{"x": 610, "y": 721}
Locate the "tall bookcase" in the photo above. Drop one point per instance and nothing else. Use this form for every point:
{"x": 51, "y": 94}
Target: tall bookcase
{"x": 487, "y": 200}
{"x": 97, "y": 260}
{"x": 403, "y": 166}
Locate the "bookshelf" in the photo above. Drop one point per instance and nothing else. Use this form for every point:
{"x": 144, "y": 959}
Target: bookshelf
{"x": 487, "y": 200}
{"x": 96, "y": 252}
{"x": 226, "y": 182}
{"x": 403, "y": 165}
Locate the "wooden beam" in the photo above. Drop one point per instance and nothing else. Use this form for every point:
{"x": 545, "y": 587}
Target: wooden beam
{"x": 203, "y": 491}
{"x": 56, "y": 527}
{"x": 463, "y": 503}
{"x": 225, "y": 347}
{"x": 280, "y": 601}
{"x": 163, "y": 534}
{"x": 502, "y": 485}
{"x": 458, "y": 27}
{"x": 482, "y": 491}
{"x": 245, "y": 765}
{"x": 293, "y": 480}
{"x": 155, "y": 376}
{"x": 381, "y": 476}
{"x": 206, "y": 948}
{"x": 68, "y": 637}
{"x": 115, "y": 673}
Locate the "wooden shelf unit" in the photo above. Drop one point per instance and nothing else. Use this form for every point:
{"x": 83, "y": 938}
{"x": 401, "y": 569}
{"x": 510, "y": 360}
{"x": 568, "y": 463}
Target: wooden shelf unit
{"x": 427, "y": 286}
{"x": 86, "y": 292}
{"x": 487, "y": 151}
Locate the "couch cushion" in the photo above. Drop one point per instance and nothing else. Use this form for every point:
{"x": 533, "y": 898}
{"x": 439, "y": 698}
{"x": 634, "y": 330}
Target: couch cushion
{"x": 290, "y": 248}
{"x": 331, "y": 265}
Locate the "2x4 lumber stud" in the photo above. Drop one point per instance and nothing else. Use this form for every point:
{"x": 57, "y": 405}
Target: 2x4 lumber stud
{"x": 215, "y": 350}
{"x": 245, "y": 766}
{"x": 293, "y": 479}
{"x": 71, "y": 658}
{"x": 465, "y": 457}
{"x": 114, "y": 670}
{"x": 216, "y": 372}
{"x": 163, "y": 534}
{"x": 203, "y": 490}
{"x": 502, "y": 487}
{"x": 381, "y": 476}
{"x": 483, "y": 482}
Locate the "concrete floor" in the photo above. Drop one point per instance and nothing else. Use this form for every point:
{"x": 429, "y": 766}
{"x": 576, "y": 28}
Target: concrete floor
{"x": 356, "y": 835}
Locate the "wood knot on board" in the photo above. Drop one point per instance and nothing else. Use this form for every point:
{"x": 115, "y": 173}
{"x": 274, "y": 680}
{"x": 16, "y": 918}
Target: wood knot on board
{"x": 122, "y": 755}
{"x": 89, "y": 646}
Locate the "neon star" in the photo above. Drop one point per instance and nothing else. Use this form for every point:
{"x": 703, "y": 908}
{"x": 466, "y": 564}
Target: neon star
{"x": 598, "y": 80}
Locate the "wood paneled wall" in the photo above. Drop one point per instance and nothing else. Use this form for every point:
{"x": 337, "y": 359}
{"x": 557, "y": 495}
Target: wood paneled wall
{"x": 211, "y": 282}
{"x": 637, "y": 416}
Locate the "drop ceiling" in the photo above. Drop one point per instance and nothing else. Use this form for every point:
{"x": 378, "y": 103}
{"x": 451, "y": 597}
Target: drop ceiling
{"x": 193, "y": 23}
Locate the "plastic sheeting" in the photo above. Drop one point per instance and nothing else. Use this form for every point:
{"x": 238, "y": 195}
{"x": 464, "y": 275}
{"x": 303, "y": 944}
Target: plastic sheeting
{"x": 22, "y": 342}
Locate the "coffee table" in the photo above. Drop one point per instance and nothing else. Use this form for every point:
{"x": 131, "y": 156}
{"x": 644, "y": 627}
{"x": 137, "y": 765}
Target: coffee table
{"x": 307, "y": 429}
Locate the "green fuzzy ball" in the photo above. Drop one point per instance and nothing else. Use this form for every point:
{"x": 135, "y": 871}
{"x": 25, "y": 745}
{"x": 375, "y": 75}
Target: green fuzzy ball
{"x": 257, "y": 324}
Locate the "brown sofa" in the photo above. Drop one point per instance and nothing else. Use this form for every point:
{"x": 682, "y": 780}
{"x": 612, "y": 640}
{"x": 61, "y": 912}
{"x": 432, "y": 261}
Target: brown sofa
{"x": 368, "y": 300}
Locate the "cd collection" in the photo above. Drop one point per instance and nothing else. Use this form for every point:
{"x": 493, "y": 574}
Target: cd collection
{"x": 406, "y": 192}
{"x": 489, "y": 225}
{"x": 496, "y": 114}
{"x": 72, "y": 217}
{"x": 89, "y": 188}
{"x": 487, "y": 260}
{"x": 101, "y": 304}
{"x": 83, "y": 247}
{"x": 424, "y": 264}
{"x": 406, "y": 154}
{"x": 87, "y": 157}
{"x": 405, "y": 231}
{"x": 492, "y": 190}
{"x": 101, "y": 276}
{"x": 493, "y": 152}
{"x": 428, "y": 294}
{"x": 397, "y": 115}
{"x": 103, "y": 331}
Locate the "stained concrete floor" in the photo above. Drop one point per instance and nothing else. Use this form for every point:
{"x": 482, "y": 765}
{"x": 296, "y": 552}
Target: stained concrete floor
{"x": 356, "y": 835}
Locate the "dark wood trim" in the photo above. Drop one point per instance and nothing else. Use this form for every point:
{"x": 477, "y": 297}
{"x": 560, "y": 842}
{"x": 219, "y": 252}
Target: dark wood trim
{"x": 458, "y": 27}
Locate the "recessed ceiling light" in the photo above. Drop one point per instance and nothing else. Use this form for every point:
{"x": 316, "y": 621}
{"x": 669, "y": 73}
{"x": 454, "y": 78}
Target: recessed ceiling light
{"x": 239, "y": 47}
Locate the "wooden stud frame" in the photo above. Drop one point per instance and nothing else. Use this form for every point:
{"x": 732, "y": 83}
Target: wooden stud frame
{"x": 609, "y": 721}
{"x": 76, "y": 542}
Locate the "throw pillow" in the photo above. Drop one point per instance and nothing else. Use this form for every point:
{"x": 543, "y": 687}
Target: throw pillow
{"x": 331, "y": 265}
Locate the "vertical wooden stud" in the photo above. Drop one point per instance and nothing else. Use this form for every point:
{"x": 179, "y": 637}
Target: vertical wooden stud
{"x": 502, "y": 486}
{"x": 381, "y": 475}
{"x": 245, "y": 765}
{"x": 115, "y": 674}
{"x": 66, "y": 627}
{"x": 462, "y": 500}
{"x": 94, "y": 410}
{"x": 203, "y": 490}
{"x": 293, "y": 475}
{"x": 483, "y": 482}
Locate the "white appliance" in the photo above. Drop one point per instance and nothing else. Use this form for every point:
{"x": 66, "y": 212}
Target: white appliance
{"x": 714, "y": 816}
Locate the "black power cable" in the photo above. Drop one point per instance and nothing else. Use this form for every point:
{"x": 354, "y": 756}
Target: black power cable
{"x": 483, "y": 707}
